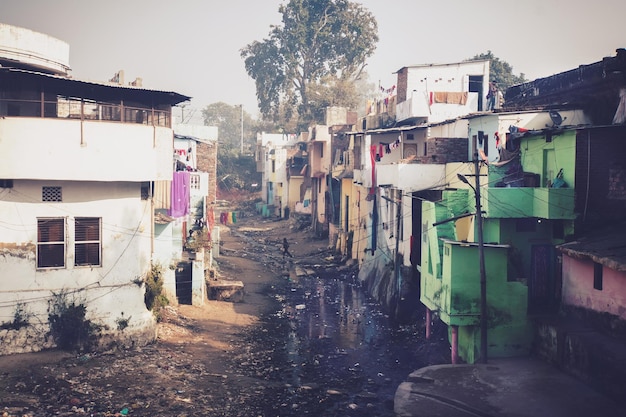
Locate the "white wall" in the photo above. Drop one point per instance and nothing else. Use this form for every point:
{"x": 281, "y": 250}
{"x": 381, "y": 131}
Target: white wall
{"x": 500, "y": 122}
{"x": 45, "y": 148}
{"x": 204, "y": 133}
{"x": 108, "y": 290}
{"x": 445, "y": 77}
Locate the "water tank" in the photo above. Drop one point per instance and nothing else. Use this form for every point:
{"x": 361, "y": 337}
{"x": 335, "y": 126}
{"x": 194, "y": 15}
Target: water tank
{"x": 26, "y": 49}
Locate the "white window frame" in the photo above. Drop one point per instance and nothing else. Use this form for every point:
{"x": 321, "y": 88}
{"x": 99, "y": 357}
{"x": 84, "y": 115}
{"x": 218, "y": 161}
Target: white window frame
{"x": 43, "y": 243}
{"x": 87, "y": 240}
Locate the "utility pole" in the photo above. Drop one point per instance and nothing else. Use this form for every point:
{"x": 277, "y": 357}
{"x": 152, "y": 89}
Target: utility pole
{"x": 397, "y": 261}
{"x": 481, "y": 256}
{"x": 481, "y": 259}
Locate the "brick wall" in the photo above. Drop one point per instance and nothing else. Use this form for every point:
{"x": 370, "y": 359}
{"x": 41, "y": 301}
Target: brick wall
{"x": 444, "y": 150}
{"x": 207, "y": 162}
{"x": 402, "y": 86}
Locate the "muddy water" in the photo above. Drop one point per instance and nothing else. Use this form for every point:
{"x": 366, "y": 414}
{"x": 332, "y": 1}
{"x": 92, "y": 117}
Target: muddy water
{"x": 328, "y": 350}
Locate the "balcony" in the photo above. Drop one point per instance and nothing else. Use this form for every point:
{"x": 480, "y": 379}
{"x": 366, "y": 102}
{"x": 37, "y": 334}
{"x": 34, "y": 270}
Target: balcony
{"x": 67, "y": 108}
{"x": 519, "y": 202}
{"x": 419, "y": 106}
{"x": 411, "y": 177}
{"x": 416, "y": 106}
{"x": 84, "y": 150}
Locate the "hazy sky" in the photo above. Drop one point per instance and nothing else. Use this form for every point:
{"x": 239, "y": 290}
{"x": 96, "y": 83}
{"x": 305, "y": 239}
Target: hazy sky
{"x": 193, "y": 47}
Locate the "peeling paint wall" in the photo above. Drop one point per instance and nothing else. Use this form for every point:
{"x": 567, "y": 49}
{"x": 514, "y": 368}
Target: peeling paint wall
{"x": 109, "y": 292}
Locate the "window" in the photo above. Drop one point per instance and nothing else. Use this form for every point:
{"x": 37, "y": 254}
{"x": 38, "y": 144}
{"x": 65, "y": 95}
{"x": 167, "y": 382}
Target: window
{"x": 87, "y": 241}
{"x": 194, "y": 181}
{"x": 51, "y": 243}
{"x": 597, "y": 276}
{"x": 6, "y": 183}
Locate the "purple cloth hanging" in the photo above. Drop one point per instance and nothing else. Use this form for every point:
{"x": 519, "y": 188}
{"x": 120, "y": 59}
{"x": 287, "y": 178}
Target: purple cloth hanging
{"x": 180, "y": 194}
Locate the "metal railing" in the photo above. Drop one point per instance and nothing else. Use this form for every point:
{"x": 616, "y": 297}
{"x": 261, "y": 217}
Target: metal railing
{"x": 69, "y": 108}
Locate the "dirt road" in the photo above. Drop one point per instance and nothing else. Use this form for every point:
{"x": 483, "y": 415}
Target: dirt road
{"x": 310, "y": 346}
{"x": 192, "y": 369}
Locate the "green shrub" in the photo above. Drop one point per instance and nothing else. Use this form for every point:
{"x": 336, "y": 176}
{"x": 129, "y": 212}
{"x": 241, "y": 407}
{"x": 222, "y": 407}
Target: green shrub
{"x": 154, "y": 298}
{"x": 69, "y": 327}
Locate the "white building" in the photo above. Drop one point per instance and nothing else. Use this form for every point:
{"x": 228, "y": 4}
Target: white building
{"x": 433, "y": 93}
{"x": 271, "y": 158}
{"x": 79, "y": 161}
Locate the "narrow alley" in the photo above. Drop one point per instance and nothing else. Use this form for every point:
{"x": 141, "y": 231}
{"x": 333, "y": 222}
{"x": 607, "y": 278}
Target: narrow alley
{"x": 306, "y": 340}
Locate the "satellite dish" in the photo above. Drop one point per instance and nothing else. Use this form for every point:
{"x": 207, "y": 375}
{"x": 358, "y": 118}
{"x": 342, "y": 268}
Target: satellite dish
{"x": 556, "y": 118}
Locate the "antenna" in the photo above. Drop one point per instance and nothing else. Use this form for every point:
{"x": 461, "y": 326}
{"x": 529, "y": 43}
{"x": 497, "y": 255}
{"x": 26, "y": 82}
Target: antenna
{"x": 556, "y": 118}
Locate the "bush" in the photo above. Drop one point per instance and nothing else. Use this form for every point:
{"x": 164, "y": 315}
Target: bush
{"x": 69, "y": 327}
{"x": 154, "y": 298}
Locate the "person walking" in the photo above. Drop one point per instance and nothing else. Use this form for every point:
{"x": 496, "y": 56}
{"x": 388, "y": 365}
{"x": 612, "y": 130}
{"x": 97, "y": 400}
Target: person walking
{"x": 286, "y": 248}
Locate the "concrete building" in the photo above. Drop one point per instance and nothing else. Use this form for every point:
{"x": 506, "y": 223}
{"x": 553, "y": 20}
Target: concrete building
{"x": 184, "y": 278}
{"x": 551, "y": 173}
{"x": 79, "y": 164}
{"x": 407, "y": 138}
{"x": 271, "y": 158}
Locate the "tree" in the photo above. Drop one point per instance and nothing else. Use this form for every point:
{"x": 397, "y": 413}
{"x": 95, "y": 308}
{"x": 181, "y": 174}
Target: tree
{"x": 235, "y": 171}
{"x": 227, "y": 118}
{"x": 339, "y": 92}
{"x": 319, "y": 42}
{"x": 500, "y": 71}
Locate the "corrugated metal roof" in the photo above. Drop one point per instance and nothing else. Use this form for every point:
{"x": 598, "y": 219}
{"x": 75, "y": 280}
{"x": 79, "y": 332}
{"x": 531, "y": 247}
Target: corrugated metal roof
{"x": 606, "y": 247}
{"x": 93, "y": 89}
{"x": 403, "y": 128}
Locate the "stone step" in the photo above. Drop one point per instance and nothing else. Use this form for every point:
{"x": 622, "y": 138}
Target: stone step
{"x": 225, "y": 290}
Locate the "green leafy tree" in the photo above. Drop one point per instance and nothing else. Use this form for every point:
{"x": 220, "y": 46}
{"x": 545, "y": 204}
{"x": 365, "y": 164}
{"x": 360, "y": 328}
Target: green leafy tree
{"x": 500, "y": 71}
{"x": 319, "y": 42}
{"x": 339, "y": 92}
{"x": 227, "y": 118}
{"x": 234, "y": 170}
{"x": 237, "y": 172}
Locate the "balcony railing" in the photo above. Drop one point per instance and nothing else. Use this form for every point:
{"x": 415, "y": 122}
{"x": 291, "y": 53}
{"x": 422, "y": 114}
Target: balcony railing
{"x": 518, "y": 202}
{"x": 85, "y": 110}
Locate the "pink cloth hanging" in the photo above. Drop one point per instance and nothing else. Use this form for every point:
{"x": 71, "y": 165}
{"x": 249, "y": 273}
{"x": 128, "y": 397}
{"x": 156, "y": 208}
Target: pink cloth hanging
{"x": 180, "y": 194}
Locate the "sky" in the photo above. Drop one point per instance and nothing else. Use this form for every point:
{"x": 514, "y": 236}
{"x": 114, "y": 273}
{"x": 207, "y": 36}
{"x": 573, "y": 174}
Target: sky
{"x": 193, "y": 47}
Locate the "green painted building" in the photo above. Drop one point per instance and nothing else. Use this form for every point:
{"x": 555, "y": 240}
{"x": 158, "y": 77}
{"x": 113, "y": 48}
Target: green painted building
{"x": 528, "y": 208}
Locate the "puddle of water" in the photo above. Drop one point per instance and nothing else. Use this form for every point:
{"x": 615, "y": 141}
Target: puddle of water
{"x": 344, "y": 355}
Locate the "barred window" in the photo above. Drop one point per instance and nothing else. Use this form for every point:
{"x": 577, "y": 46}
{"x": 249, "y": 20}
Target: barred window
{"x": 194, "y": 182}
{"x": 51, "y": 194}
{"x": 87, "y": 242}
{"x": 51, "y": 243}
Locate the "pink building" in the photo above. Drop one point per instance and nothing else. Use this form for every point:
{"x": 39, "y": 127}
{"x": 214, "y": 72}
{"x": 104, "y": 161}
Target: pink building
{"x": 594, "y": 273}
